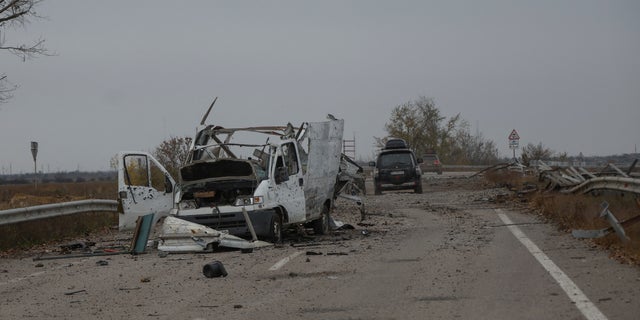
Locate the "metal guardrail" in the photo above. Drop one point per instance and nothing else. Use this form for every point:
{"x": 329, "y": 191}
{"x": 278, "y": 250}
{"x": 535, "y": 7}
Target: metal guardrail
{"x": 607, "y": 183}
{"x": 572, "y": 180}
{"x": 55, "y": 210}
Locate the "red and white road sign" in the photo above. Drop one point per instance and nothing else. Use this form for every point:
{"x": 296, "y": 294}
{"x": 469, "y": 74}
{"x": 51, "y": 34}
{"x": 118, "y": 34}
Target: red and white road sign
{"x": 514, "y": 135}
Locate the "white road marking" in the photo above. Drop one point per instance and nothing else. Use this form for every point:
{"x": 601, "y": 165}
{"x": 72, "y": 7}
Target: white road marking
{"x": 588, "y": 309}
{"x": 284, "y": 261}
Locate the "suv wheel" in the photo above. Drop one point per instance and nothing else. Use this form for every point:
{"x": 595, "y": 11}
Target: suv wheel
{"x": 418, "y": 188}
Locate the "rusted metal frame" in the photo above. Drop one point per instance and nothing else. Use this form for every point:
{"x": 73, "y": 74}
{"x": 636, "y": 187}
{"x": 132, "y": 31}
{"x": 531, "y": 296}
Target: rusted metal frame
{"x": 273, "y": 130}
{"x": 206, "y": 115}
{"x": 213, "y": 133}
{"x": 224, "y": 147}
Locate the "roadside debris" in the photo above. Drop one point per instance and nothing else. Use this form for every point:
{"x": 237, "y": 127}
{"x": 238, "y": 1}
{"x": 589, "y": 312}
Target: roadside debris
{"x": 141, "y": 233}
{"x": 70, "y": 293}
{"x": 572, "y": 180}
{"x": 102, "y": 263}
{"x": 214, "y": 269}
{"x": 179, "y": 235}
{"x": 83, "y": 245}
{"x": 616, "y": 226}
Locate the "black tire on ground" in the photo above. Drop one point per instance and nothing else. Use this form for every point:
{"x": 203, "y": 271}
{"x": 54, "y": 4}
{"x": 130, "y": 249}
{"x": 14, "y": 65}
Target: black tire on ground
{"x": 275, "y": 229}
{"x": 321, "y": 225}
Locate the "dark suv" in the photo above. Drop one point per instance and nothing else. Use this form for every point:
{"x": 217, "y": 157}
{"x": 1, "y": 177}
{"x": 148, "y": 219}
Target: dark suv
{"x": 396, "y": 168}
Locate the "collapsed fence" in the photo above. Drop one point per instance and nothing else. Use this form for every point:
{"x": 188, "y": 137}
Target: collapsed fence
{"x": 578, "y": 180}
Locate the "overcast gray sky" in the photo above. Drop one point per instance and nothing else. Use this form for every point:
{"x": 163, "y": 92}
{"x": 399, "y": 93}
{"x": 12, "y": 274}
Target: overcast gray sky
{"x": 129, "y": 74}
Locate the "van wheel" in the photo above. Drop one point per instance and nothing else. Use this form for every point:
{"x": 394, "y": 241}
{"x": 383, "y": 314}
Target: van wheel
{"x": 321, "y": 226}
{"x": 275, "y": 229}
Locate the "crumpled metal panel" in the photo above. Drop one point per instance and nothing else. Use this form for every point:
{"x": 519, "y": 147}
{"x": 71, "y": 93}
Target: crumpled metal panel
{"x": 179, "y": 235}
{"x": 325, "y": 148}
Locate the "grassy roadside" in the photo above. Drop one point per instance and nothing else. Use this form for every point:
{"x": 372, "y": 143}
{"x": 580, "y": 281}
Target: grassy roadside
{"x": 25, "y": 235}
{"x": 579, "y": 211}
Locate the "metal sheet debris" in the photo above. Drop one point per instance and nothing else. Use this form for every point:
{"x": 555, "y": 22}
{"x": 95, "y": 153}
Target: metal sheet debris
{"x": 616, "y": 226}
{"x": 178, "y": 235}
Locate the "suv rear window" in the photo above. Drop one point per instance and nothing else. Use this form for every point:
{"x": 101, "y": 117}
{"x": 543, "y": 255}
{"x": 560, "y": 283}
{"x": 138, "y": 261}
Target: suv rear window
{"x": 394, "y": 159}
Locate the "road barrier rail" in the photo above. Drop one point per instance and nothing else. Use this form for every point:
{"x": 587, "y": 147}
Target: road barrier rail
{"x": 56, "y": 209}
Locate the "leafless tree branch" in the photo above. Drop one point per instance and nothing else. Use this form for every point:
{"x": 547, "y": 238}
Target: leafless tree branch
{"x": 6, "y": 89}
{"x": 17, "y": 12}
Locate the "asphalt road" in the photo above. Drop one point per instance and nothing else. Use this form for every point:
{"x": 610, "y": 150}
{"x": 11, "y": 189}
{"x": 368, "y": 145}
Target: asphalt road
{"x": 450, "y": 253}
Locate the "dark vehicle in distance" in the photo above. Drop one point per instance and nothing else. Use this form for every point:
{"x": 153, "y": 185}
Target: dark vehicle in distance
{"x": 431, "y": 163}
{"x": 396, "y": 168}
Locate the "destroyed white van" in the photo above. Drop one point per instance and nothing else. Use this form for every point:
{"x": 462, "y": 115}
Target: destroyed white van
{"x": 251, "y": 182}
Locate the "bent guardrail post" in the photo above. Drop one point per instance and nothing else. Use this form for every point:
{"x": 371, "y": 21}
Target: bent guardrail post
{"x": 616, "y": 169}
{"x": 613, "y": 221}
{"x": 587, "y": 173}
{"x": 632, "y": 166}
{"x": 591, "y": 234}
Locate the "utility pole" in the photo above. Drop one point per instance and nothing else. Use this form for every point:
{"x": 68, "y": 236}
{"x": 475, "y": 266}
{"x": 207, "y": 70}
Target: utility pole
{"x": 34, "y": 153}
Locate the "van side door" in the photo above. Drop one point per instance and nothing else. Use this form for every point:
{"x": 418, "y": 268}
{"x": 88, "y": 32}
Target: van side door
{"x": 286, "y": 172}
{"x": 144, "y": 187}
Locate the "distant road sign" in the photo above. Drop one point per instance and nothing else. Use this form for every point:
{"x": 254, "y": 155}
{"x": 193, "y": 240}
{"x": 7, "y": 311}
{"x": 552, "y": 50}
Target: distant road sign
{"x": 514, "y": 135}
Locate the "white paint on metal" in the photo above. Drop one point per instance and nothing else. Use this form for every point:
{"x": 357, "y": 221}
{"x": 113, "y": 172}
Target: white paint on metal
{"x": 325, "y": 148}
{"x": 141, "y": 200}
{"x": 178, "y": 235}
{"x": 586, "y": 307}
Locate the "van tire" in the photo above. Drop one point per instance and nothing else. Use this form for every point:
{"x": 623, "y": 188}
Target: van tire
{"x": 321, "y": 225}
{"x": 275, "y": 229}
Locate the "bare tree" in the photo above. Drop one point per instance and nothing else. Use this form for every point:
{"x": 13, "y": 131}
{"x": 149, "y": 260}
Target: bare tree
{"x": 419, "y": 123}
{"x": 535, "y": 152}
{"x": 172, "y": 153}
{"x": 17, "y": 13}
{"x": 425, "y": 129}
{"x": 471, "y": 149}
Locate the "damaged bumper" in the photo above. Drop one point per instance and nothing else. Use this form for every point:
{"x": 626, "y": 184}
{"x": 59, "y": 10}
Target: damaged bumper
{"x": 234, "y": 222}
{"x": 178, "y": 235}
